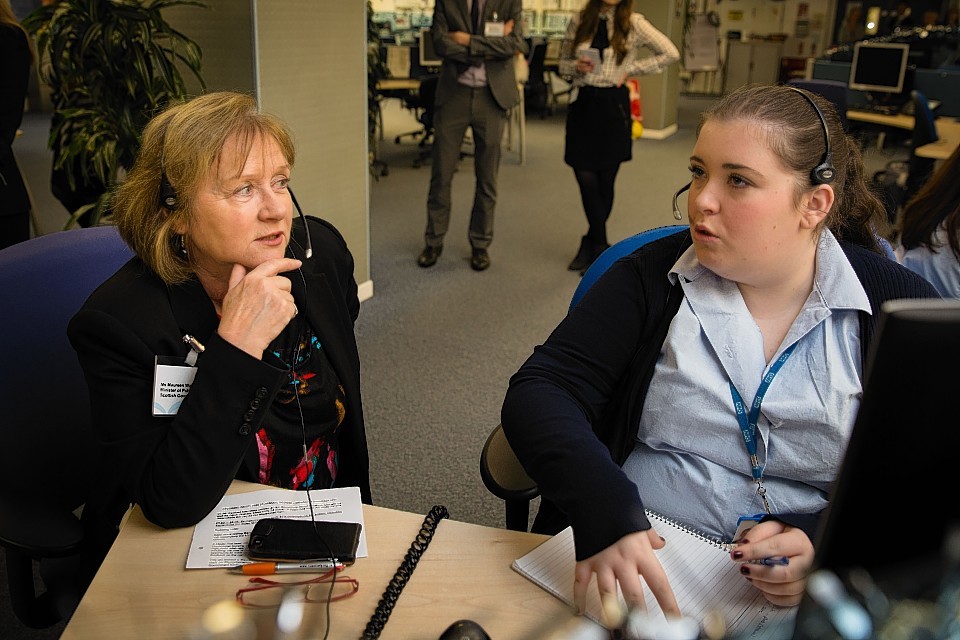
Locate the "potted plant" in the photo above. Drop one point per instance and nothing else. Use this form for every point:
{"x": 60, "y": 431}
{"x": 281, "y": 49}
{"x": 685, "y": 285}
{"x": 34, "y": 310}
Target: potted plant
{"x": 376, "y": 69}
{"x": 111, "y": 65}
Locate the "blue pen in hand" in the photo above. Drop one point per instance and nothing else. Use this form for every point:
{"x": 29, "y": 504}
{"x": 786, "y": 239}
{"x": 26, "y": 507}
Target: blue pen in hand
{"x": 775, "y": 561}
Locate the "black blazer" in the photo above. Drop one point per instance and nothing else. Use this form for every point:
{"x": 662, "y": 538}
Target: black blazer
{"x": 495, "y": 52}
{"x": 178, "y": 468}
{"x": 15, "y": 54}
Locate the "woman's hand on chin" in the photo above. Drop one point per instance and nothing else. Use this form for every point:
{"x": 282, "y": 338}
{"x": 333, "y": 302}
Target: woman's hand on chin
{"x": 258, "y": 305}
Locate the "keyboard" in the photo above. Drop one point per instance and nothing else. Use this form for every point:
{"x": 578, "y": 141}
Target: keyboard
{"x": 891, "y": 110}
{"x": 883, "y": 109}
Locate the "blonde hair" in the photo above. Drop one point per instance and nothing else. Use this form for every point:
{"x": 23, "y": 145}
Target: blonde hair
{"x": 181, "y": 146}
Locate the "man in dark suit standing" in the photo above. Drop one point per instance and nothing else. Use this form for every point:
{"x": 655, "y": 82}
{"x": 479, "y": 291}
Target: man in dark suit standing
{"x": 477, "y": 40}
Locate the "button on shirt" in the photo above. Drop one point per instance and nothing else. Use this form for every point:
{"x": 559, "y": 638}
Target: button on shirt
{"x": 690, "y": 462}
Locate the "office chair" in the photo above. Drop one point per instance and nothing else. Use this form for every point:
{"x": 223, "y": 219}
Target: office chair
{"x": 48, "y": 450}
{"x": 899, "y": 181}
{"x": 505, "y": 478}
{"x": 924, "y": 132}
{"x": 833, "y": 91}
{"x": 422, "y": 104}
{"x": 536, "y": 91}
{"x": 551, "y": 64}
{"x": 500, "y": 470}
{"x": 617, "y": 251}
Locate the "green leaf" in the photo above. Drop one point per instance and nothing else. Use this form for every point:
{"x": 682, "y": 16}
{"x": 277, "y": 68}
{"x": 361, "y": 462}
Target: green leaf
{"x": 111, "y": 65}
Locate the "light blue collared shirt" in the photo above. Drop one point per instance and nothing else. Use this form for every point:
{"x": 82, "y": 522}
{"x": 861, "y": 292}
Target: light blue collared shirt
{"x": 690, "y": 462}
{"x": 940, "y": 268}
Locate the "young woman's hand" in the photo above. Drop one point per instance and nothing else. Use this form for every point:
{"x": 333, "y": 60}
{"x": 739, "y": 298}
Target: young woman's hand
{"x": 789, "y": 553}
{"x": 624, "y": 563}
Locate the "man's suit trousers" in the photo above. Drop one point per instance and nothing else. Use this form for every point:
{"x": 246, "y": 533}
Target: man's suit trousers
{"x": 472, "y": 107}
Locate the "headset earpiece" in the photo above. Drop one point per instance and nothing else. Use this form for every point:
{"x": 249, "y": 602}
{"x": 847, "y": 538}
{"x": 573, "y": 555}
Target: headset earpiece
{"x": 168, "y": 195}
{"x": 676, "y": 208}
{"x": 823, "y": 173}
{"x": 308, "y": 250}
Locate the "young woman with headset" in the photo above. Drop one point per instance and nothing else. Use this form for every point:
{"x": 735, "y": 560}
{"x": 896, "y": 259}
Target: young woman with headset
{"x": 716, "y": 373}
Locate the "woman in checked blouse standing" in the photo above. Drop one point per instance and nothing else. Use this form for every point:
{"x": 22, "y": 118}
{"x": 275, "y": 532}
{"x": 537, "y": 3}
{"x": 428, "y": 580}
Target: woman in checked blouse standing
{"x": 598, "y": 135}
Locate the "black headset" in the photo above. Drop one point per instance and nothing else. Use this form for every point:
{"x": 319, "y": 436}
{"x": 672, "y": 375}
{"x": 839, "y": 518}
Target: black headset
{"x": 168, "y": 195}
{"x": 823, "y": 173}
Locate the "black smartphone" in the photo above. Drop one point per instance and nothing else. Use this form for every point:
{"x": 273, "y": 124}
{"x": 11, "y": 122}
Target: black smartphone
{"x": 284, "y": 540}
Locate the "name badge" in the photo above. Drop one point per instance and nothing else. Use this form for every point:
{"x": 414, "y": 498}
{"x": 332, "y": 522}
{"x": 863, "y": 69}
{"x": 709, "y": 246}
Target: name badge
{"x": 172, "y": 377}
{"x": 493, "y": 29}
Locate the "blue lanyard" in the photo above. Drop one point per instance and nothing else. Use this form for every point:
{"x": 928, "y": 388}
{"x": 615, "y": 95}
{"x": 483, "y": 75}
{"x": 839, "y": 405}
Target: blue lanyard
{"x": 748, "y": 424}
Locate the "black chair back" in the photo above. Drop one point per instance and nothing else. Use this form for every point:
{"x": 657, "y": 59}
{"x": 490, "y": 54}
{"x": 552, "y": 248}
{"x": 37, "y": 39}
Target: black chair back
{"x": 924, "y": 132}
{"x": 49, "y": 452}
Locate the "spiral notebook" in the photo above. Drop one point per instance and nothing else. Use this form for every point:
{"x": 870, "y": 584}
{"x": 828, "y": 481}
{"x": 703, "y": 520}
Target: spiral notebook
{"x": 700, "y": 571}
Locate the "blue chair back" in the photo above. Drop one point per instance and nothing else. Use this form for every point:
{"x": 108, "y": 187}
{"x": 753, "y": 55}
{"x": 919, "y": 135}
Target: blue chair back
{"x": 45, "y": 281}
{"x": 617, "y": 251}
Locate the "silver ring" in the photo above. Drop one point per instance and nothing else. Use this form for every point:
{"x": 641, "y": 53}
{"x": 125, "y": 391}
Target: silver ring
{"x": 295, "y": 311}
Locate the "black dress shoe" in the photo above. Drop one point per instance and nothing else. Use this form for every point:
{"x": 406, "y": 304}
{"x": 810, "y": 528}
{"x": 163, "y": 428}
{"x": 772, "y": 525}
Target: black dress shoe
{"x": 584, "y": 254}
{"x": 480, "y": 260}
{"x": 428, "y": 257}
{"x": 597, "y": 250}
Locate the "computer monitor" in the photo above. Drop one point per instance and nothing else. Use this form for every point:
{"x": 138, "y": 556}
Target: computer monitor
{"x": 895, "y": 501}
{"x": 879, "y": 67}
{"x": 428, "y": 55}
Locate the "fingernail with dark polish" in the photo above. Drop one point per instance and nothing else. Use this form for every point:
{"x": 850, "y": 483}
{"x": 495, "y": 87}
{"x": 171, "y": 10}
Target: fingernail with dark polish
{"x": 737, "y": 555}
{"x": 745, "y": 570}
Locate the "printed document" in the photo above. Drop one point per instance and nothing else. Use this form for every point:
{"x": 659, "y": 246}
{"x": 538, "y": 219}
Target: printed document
{"x": 220, "y": 539}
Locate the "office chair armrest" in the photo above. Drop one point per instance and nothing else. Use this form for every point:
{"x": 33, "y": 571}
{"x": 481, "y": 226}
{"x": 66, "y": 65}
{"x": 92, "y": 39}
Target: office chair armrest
{"x": 38, "y": 527}
{"x": 502, "y": 472}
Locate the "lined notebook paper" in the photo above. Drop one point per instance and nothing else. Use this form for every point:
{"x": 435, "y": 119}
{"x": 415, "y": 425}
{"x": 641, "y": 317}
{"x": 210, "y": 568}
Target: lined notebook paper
{"x": 700, "y": 571}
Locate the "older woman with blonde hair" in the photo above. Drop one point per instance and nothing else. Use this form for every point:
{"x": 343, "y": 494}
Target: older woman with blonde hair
{"x": 225, "y": 348}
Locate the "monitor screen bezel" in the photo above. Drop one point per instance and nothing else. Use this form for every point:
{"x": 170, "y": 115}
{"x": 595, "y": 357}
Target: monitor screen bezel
{"x": 424, "y": 60}
{"x": 878, "y": 88}
{"x": 901, "y": 434}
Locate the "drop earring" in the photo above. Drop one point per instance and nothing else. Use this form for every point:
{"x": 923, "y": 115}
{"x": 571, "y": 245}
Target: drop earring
{"x": 183, "y": 246}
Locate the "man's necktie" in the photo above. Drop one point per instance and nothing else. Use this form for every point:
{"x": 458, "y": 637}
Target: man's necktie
{"x": 600, "y": 39}
{"x": 475, "y": 15}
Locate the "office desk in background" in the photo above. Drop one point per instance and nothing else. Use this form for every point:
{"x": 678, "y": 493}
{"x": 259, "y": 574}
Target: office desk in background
{"x": 143, "y": 590}
{"x": 398, "y": 84}
{"x": 948, "y": 131}
{"x": 893, "y": 121}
